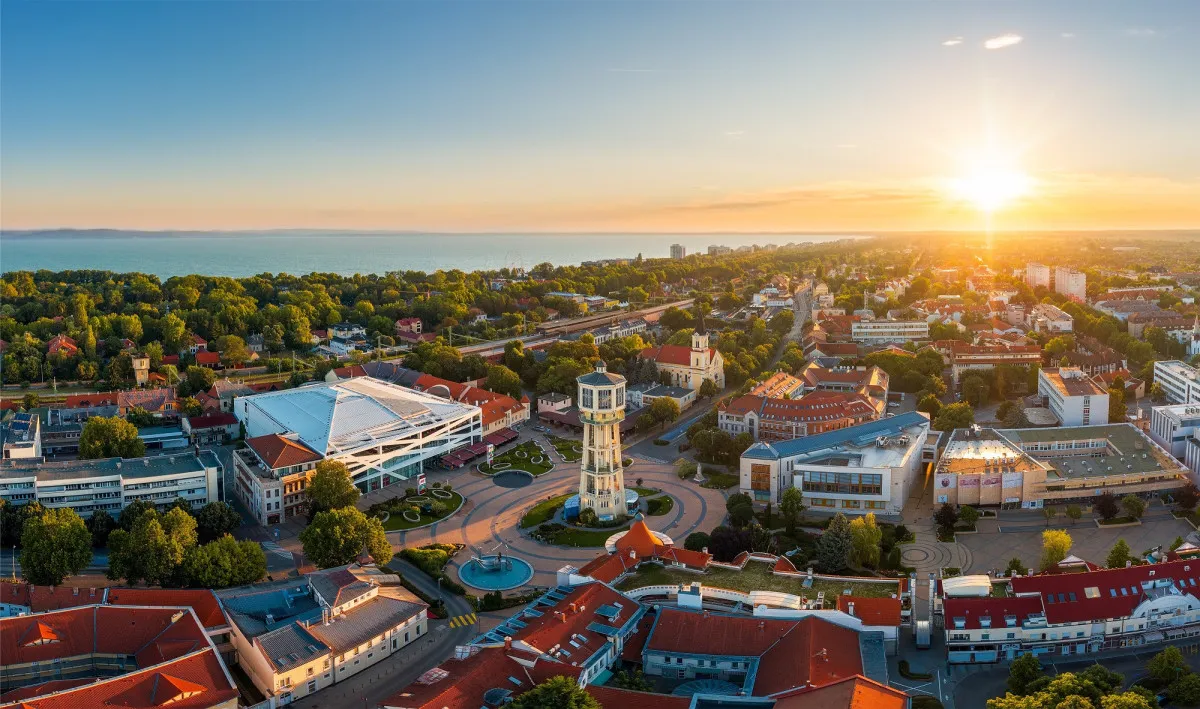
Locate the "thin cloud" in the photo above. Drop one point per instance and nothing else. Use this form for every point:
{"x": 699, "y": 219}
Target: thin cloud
{"x": 1142, "y": 32}
{"x": 632, "y": 71}
{"x": 1068, "y": 35}
{"x": 735, "y": 133}
{"x": 953, "y": 42}
{"x": 1004, "y": 40}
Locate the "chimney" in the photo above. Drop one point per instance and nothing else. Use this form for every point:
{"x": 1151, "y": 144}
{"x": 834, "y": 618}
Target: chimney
{"x": 574, "y": 608}
{"x": 1128, "y": 563}
{"x": 704, "y": 550}
{"x": 507, "y": 643}
{"x": 850, "y": 607}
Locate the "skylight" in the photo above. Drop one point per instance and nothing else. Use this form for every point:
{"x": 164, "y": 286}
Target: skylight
{"x": 1091, "y": 592}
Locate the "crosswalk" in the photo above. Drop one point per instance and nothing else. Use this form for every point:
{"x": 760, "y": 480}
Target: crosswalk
{"x": 462, "y": 621}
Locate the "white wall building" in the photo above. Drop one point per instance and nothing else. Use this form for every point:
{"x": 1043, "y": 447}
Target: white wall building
{"x": 110, "y": 484}
{"x": 1172, "y": 426}
{"x": 678, "y": 251}
{"x": 879, "y": 332}
{"x": 1074, "y": 398}
{"x": 866, "y": 468}
{"x": 1070, "y": 283}
{"x": 1045, "y": 317}
{"x": 382, "y": 432}
{"x": 1180, "y": 382}
{"x": 1037, "y": 274}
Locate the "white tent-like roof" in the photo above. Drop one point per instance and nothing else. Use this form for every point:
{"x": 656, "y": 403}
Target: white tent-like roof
{"x": 974, "y": 586}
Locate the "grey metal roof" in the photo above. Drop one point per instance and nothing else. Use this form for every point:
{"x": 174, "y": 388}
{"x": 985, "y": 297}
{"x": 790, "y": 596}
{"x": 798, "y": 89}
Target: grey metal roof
{"x": 290, "y": 645}
{"x": 600, "y": 379}
{"x": 863, "y": 431}
{"x": 152, "y": 466}
{"x": 673, "y": 392}
{"x": 337, "y": 586}
{"x": 284, "y": 601}
{"x": 353, "y": 628}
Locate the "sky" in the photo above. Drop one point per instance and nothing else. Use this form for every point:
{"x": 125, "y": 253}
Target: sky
{"x": 834, "y": 115}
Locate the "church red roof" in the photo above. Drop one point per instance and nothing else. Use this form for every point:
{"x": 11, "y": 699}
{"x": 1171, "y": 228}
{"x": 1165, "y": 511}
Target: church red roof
{"x": 673, "y": 354}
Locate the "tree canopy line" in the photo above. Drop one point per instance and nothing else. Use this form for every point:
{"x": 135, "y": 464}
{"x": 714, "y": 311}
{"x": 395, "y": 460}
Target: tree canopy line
{"x": 102, "y": 309}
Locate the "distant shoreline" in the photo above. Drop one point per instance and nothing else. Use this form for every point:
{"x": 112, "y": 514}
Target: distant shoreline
{"x": 856, "y": 234}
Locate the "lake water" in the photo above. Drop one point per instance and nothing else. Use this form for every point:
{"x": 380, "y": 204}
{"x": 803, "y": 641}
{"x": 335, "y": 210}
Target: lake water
{"x": 246, "y": 254}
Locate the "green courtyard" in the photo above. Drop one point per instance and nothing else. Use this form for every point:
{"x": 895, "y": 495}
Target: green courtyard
{"x": 400, "y": 515}
{"x": 527, "y": 456}
{"x": 570, "y": 450}
{"x": 756, "y": 576}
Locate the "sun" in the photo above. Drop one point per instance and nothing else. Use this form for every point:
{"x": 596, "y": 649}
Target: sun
{"x": 991, "y": 188}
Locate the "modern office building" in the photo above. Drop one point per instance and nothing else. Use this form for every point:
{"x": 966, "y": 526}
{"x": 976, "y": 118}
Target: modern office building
{"x": 860, "y": 469}
{"x": 882, "y": 332}
{"x": 21, "y": 437}
{"x": 1072, "y": 396}
{"x": 1172, "y": 426}
{"x": 1071, "y": 283}
{"x": 110, "y": 484}
{"x": 1033, "y": 467}
{"x": 1180, "y": 383}
{"x": 382, "y": 432}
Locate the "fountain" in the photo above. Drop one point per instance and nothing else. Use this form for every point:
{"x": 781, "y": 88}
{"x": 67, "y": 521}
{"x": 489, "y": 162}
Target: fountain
{"x": 496, "y": 571}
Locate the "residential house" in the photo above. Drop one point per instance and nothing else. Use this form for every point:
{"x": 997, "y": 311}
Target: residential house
{"x": 211, "y": 428}
{"x": 157, "y": 402}
{"x": 62, "y": 346}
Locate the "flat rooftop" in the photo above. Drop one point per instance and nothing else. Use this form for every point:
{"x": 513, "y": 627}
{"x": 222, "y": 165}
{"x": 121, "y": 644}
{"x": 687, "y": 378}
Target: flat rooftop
{"x": 854, "y": 445}
{"x": 1072, "y": 382}
{"x": 1093, "y": 451}
{"x": 152, "y": 466}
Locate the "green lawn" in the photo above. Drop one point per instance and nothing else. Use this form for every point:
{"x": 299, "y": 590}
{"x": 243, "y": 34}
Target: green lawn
{"x": 646, "y": 491}
{"x": 719, "y": 481}
{"x": 397, "y": 523}
{"x": 566, "y": 448}
{"x": 543, "y": 511}
{"x": 755, "y": 577}
{"x": 520, "y": 458}
{"x": 656, "y": 506}
{"x": 572, "y": 537}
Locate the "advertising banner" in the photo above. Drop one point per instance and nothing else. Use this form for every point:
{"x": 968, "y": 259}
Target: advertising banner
{"x": 946, "y": 481}
{"x": 968, "y": 481}
{"x": 992, "y": 480}
{"x": 489, "y": 454}
{"x": 1013, "y": 479}
{"x": 421, "y": 484}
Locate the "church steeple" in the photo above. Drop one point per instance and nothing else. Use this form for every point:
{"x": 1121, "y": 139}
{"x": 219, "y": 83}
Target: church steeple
{"x": 699, "y": 337}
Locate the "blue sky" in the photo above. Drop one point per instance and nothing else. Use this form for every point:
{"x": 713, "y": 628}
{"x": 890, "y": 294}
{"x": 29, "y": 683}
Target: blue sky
{"x": 580, "y": 115}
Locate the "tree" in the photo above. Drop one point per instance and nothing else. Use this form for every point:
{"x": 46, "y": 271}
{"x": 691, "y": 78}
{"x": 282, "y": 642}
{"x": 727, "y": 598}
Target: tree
{"x": 1167, "y": 666}
{"x": 110, "y": 437}
{"x": 1105, "y": 679}
{"x": 140, "y": 417}
{"x": 133, "y": 512}
{"x": 337, "y": 536}
{"x": 975, "y": 390}
{"x": 1074, "y": 512}
{"x": 13, "y": 519}
{"x": 930, "y": 404}
{"x": 1185, "y": 691}
{"x": 503, "y": 380}
{"x": 835, "y": 545}
{"x": 54, "y": 545}
{"x": 559, "y": 692}
{"x": 1118, "y": 555}
{"x": 946, "y": 517}
{"x": 740, "y": 508}
{"x": 330, "y": 488}
{"x": 866, "y": 540}
{"x": 1187, "y": 497}
{"x": 1133, "y": 505}
{"x": 791, "y": 505}
{"x": 215, "y": 520}
{"x": 1156, "y": 391}
{"x": 1117, "y": 413}
{"x": 1023, "y": 670}
{"x": 153, "y": 548}
{"x": 1015, "y": 567}
{"x": 968, "y": 515}
{"x": 663, "y": 410}
{"x": 223, "y": 563}
{"x": 708, "y": 389}
{"x": 189, "y": 406}
{"x": 197, "y": 379}
{"x": 233, "y": 350}
{"x": 1049, "y": 512}
{"x": 1055, "y": 545}
{"x": 725, "y": 543}
{"x": 30, "y": 401}
{"x": 954, "y": 416}
{"x": 696, "y": 541}
{"x": 1179, "y": 541}
{"x": 100, "y": 525}
{"x": 633, "y": 680}
{"x": 1106, "y": 505}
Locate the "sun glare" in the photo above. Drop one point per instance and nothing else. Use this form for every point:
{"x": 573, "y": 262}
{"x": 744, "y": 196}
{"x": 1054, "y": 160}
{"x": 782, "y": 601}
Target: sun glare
{"x": 991, "y": 189}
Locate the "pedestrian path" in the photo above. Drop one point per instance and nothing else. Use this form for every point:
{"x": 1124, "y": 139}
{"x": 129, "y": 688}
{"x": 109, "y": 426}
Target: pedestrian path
{"x": 462, "y": 621}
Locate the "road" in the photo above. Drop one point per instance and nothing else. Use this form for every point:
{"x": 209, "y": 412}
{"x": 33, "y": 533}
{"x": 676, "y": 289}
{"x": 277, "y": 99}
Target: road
{"x": 10, "y": 563}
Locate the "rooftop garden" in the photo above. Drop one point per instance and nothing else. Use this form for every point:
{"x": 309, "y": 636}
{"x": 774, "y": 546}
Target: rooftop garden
{"x": 528, "y": 457}
{"x": 756, "y": 576}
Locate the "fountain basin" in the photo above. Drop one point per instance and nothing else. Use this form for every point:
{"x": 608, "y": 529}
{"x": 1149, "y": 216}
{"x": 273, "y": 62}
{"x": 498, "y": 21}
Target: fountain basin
{"x": 492, "y": 573}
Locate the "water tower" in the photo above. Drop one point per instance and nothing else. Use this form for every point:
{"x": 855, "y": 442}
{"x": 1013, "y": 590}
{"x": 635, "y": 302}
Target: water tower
{"x": 601, "y": 410}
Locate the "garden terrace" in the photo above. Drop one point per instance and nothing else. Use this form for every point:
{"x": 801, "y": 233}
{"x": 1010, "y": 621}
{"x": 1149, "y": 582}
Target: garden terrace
{"x": 528, "y": 456}
{"x": 756, "y": 576}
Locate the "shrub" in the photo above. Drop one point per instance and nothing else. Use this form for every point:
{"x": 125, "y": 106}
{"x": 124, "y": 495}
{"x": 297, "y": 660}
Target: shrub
{"x": 410, "y": 492}
{"x": 902, "y": 533}
{"x": 661, "y": 442}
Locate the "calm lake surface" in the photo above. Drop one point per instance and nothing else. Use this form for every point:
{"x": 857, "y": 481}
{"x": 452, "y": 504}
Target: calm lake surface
{"x": 238, "y": 255}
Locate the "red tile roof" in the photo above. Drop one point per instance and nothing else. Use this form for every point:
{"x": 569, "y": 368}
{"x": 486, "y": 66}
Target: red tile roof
{"x": 203, "y": 357}
{"x": 972, "y": 609}
{"x": 279, "y": 452}
{"x": 792, "y": 653}
{"x": 856, "y": 692}
{"x": 494, "y": 406}
{"x": 1109, "y": 602}
{"x": 613, "y": 698}
{"x": 36, "y": 690}
{"x": 201, "y": 600}
{"x": 83, "y": 401}
{"x": 817, "y": 405}
{"x": 872, "y": 611}
{"x": 468, "y": 679}
{"x": 680, "y": 355}
{"x": 40, "y": 599}
{"x": 213, "y": 420}
{"x": 578, "y": 611}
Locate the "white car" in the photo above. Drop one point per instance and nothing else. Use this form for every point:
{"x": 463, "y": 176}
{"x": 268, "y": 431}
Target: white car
{"x": 893, "y": 405}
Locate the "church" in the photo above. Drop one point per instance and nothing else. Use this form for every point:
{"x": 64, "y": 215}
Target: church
{"x": 689, "y": 366}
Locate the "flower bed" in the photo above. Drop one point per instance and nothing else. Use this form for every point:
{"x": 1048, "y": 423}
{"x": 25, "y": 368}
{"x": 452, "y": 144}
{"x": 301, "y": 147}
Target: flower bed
{"x": 400, "y": 517}
{"x": 442, "y": 494}
{"x": 528, "y": 457}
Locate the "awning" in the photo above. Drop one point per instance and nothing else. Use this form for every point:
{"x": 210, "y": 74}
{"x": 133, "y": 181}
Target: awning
{"x": 1153, "y": 636}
